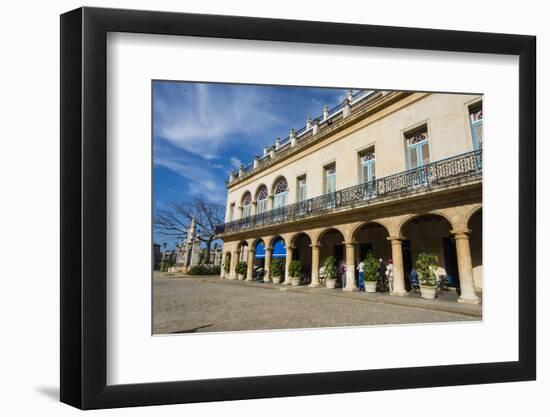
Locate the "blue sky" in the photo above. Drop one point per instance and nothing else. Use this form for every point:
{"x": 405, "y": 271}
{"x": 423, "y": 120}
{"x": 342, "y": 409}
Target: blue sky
{"x": 201, "y": 131}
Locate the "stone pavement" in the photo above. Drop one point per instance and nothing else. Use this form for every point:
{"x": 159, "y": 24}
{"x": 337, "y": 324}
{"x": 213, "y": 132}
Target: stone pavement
{"x": 184, "y": 304}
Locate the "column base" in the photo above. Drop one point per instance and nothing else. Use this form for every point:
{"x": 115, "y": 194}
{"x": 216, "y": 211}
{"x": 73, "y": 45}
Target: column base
{"x": 350, "y": 289}
{"x": 267, "y": 281}
{"x": 249, "y": 279}
{"x": 314, "y": 285}
{"x": 399, "y": 293}
{"x": 475, "y": 300}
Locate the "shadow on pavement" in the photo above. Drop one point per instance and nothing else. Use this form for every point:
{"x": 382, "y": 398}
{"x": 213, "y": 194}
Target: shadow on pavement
{"x": 193, "y": 330}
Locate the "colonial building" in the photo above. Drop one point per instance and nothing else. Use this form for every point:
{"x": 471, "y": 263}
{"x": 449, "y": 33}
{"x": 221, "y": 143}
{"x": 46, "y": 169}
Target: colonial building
{"x": 394, "y": 173}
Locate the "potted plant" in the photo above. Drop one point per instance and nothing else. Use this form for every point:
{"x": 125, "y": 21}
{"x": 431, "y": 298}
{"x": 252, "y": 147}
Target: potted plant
{"x": 372, "y": 272}
{"x": 425, "y": 265}
{"x": 226, "y": 269}
{"x": 276, "y": 270}
{"x": 330, "y": 272}
{"x": 240, "y": 269}
{"x": 294, "y": 270}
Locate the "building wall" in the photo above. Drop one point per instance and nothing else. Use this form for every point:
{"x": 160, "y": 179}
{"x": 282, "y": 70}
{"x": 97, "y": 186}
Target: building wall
{"x": 446, "y": 117}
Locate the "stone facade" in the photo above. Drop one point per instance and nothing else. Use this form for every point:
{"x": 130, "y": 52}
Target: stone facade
{"x": 392, "y": 173}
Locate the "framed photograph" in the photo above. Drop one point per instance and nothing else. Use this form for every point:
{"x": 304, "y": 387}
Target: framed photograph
{"x": 258, "y": 208}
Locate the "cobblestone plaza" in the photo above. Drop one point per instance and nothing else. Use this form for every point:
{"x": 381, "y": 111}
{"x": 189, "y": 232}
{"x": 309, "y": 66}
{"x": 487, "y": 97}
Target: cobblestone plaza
{"x": 208, "y": 304}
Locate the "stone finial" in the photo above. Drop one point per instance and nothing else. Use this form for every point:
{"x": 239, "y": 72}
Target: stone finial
{"x": 315, "y": 126}
{"x": 241, "y": 170}
{"x": 346, "y": 110}
{"x": 272, "y": 153}
{"x": 232, "y": 175}
{"x": 266, "y": 150}
{"x": 277, "y": 143}
{"x": 256, "y": 161}
{"x": 308, "y": 123}
{"x": 325, "y": 112}
{"x": 292, "y": 137}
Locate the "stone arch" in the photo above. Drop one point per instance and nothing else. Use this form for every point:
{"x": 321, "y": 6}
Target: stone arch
{"x": 403, "y": 223}
{"x": 322, "y": 232}
{"x": 372, "y": 237}
{"x": 477, "y": 209}
{"x": 430, "y": 232}
{"x": 358, "y": 226}
{"x": 295, "y": 236}
{"x": 475, "y": 227}
{"x": 331, "y": 243}
{"x": 242, "y": 249}
{"x": 254, "y": 242}
{"x": 271, "y": 241}
{"x": 302, "y": 252}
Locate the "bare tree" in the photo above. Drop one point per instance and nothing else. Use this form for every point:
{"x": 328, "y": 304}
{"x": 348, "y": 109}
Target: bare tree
{"x": 175, "y": 220}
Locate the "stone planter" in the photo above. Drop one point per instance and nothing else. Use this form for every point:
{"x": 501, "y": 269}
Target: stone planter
{"x": 240, "y": 276}
{"x": 427, "y": 292}
{"x": 294, "y": 281}
{"x": 331, "y": 283}
{"x": 370, "y": 286}
{"x": 276, "y": 280}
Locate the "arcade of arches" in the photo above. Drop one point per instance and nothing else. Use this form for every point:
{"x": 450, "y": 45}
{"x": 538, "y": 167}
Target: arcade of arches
{"x": 454, "y": 234}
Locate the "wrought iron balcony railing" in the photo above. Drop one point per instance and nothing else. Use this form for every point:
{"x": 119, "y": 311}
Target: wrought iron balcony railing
{"x": 431, "y": 175}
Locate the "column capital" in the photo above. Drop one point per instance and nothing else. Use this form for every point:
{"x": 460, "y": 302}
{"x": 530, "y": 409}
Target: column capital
{"x": 350, "y": 242}
{"x": 269, "y": 248}
{"x": 251, "y": 250}
{"x": 290, "y": 247}
{"x": 315, "y": 246}
{"x": 395, "y": 239}
{"x": 461, "y": 233}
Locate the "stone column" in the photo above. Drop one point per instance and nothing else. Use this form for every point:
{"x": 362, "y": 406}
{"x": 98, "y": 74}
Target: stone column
{"x": 250, "y": 264}
{"x": 398, "y": 270}
{"x": 315, "y": 266}
{"x": 465, "y": 272}
{"x": 234, "y": 260}
{"x": 350, "y": 267}
{"x": 267, "y": 264}
{"x": 289, "y": 250}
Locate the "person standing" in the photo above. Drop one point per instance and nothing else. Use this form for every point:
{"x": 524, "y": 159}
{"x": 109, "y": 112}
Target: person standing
{"x": 389, "y": 274}
{"x": 381, "y": 276}
{"x": 361, "y": 276}
{"x": 342, "y": 273}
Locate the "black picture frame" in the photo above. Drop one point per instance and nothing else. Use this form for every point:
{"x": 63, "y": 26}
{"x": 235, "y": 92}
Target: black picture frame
{"x": 84, "y": 207}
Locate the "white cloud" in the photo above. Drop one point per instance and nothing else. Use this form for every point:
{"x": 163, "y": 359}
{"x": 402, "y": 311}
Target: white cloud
{"x": 202, "y": 180}
{"x": 236, "y": 162}
{"x": 197, "y": 118}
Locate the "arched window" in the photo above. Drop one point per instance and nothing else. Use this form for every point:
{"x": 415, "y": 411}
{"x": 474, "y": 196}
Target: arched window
{"x": 261, "y": 199}
{"x": 280, "y": 193}
{"x": 246, "y": 203}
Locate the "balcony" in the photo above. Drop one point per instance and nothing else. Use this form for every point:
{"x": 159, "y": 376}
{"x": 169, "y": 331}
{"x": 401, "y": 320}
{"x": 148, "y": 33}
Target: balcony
{"x": 437, "y": 174}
